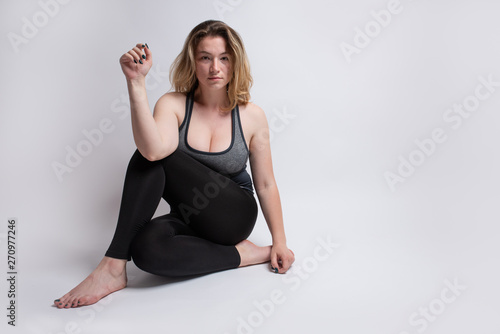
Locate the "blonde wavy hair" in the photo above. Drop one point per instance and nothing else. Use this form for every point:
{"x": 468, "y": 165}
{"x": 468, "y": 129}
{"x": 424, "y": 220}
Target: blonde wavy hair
{"x": 182, "y": 72}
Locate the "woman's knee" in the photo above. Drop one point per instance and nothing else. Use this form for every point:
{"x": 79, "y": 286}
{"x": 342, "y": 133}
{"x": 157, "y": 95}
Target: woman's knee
{"x": 156, "y": 260}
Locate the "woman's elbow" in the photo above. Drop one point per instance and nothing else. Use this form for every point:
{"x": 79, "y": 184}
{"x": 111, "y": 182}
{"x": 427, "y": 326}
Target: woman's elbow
{"x": 147, "y": 155}
{"x": 158, "y": 155}
{"x": 265, "y": 187}
{"x": 151, "y": 158}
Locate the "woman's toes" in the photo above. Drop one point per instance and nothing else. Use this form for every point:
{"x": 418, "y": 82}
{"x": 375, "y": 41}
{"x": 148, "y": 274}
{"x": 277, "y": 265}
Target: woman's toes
{"x": 65, "y": 302}
{"x": 76, "y": 302}
{"x": 71, "y": 302}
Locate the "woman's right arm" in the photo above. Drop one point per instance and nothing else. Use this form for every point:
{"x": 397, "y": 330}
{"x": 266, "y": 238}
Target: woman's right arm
{"x": 155, "y": 137}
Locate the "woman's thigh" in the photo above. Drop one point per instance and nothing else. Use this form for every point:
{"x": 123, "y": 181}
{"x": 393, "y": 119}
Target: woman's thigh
{"x": 213, "y": 205}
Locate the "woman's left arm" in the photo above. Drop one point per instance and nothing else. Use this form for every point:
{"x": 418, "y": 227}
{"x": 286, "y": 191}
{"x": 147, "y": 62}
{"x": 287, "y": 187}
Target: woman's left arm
{"x": 267, "y": 190}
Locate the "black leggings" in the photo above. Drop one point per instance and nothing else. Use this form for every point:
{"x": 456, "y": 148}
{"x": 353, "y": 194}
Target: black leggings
{"x": 210, "y": 214}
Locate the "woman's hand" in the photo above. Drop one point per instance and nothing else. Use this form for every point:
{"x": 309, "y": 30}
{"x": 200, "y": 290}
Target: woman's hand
{"x": 281, "y": 258}
{"x": 137, "y": 62}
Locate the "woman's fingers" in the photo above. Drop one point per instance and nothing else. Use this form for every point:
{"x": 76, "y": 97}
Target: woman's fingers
{"x": 142, "y": 52}
{"x": 286, "y": 263}
{"x": 274, "y": 262}
{"x": 139, "y": 53}
{"x": 136, "y": 54}
{"x": 137, "y": 61}
{"x": 148, "y": 54}
{"x": 127, "y": 56}
{"x": 147, "y": 51}
{"x": 281, "y": 262}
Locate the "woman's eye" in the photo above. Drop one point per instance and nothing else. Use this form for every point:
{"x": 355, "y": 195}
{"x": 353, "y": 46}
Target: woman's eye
{"x": 225, "y": 58}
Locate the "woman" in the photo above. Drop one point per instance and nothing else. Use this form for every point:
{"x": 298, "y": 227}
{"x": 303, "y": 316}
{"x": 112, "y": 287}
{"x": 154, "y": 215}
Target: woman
{"x": 193, "y": 153}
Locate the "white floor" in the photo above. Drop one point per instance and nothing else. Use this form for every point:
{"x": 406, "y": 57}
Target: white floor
{"x": 381, "y": 264}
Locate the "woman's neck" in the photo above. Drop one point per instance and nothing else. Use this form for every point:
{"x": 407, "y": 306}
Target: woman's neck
{"x": 215, "y": 100}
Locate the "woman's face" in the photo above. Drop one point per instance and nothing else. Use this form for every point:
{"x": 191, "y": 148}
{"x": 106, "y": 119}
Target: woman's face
{"x": 213, "y": 63}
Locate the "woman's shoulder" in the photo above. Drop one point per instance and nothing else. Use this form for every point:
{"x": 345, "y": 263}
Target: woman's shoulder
{"x": 252, "y": 110}
{"x": 173, "y": 97}
{"x": 252, "y": 113}
{"x": 172, "y": 101}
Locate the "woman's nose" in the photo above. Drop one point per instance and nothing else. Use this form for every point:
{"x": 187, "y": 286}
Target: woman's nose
{"x": 215, "y": 66}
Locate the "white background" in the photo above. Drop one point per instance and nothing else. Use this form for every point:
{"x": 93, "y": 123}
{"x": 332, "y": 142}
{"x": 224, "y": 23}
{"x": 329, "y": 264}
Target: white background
{"x": 352, "y": 120}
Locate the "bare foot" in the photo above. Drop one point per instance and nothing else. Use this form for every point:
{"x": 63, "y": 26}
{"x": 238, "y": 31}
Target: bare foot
{"x": 109, "y": 276}
{"x": 253, "y": 254}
